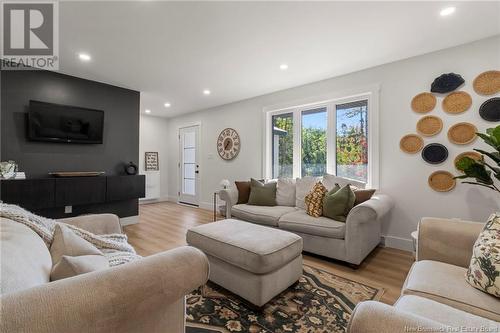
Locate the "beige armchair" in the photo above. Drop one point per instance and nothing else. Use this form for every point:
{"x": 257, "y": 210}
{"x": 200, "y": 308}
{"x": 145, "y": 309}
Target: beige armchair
{"x": 435, "y": 296}
{"x": 146, "y": 295}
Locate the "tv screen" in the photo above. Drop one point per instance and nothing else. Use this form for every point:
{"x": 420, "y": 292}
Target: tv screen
{"x": 63, "y": 123}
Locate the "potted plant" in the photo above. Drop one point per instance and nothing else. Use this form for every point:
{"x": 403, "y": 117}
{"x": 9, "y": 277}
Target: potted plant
{"x": 484, "y": 173}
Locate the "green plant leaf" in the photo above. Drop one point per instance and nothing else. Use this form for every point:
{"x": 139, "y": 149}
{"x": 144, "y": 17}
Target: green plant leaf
{"x": 464, "y": 163}
{"x": 495, "y": 133}
{"x": 479, "y": 172}
{"x": 495, "y": 156}
{"x": 490, "y": 140}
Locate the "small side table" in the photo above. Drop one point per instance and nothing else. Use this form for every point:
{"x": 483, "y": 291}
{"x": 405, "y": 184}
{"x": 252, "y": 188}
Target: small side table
{"x": 414, "y": 237}
{"x": 216, "y": 193}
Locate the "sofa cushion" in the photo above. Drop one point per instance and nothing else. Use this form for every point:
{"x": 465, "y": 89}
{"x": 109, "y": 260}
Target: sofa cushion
{"x": 66, "y": 242}
{"x": 260, "y": 214}
{"x": 484, "y": 268}
{"x": 338, "y": 203}
{"x": 262, "y": 194}
{"x": 442, "y": 313}
{"x": 299, "y": 221}
{"x": 285, "y": 193}
{"x": 303, "y": 187}
{"x": 314, "y": 200}
{"x": 446, "y": 284}
{"x": 243, "y": 191}
{"x": 69, "y": 266}
{"x": 25, "y": 260}
{"x": 363, "y": 195}
{"x": 252, "y": 247}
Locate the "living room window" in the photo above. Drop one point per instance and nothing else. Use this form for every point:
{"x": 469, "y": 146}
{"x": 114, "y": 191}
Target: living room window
{"x": 337, "y": 136}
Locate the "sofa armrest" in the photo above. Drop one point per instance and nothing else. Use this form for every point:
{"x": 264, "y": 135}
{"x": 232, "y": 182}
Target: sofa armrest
{"x": 230, "y": 196}
{"x": 374, "y": 208}
{"x": 447, "y": 240}
{"x": 134, "y": 297}
{"x": 376, "y": 317}
{"x": 99, "y": 224}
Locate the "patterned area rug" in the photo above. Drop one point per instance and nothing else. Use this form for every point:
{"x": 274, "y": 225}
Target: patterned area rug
{"x": 319, "y": 302}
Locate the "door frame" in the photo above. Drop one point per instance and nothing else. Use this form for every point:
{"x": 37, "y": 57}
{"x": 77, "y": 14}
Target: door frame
{"x": 179, "y": 156}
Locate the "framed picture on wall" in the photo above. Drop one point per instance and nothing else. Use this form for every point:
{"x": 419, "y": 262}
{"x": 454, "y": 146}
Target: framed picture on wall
{"x": 151, "y": 161}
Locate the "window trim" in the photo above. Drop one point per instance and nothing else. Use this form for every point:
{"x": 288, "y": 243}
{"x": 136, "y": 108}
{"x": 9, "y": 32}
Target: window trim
{"x": 371, "y": 94}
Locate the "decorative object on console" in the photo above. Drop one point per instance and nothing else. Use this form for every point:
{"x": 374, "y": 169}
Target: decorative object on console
{"x": 480, "y": 170}
{"x": 462, "y": 133}
{"x": 228, "y": 144}
{"x": 8, "y": 169}
{"x": 446, "y": 83}
{"x": 423, "y": 102}
{"x": 484, "y": 269}
{"x": 151, "y": 161}
{"x": 411, "y": 143}
{"x": 314, "y": 200}
{"x": 224, "y": 183}
{"x": 487, "y": 83}
{"x": 441, "y": 181}
{"x": 435, "y": 153}
{"x": 76, "y": 173}
{"x": 490, "y": 110}
{"x": 457, "y": 102}
{"x": 470, "y": 154}
{"x": 131, "y": 169}
{"x": 429, "y": 125}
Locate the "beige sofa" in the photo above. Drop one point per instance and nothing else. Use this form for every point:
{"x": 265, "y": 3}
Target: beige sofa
{"x": 435, "y": 295}
{"x": 349, "y": 241}
{"x": 146, "y": 295}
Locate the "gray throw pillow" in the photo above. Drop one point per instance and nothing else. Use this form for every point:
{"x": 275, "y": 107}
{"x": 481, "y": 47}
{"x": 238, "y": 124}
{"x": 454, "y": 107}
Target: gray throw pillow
{"x": 262, "y": 194}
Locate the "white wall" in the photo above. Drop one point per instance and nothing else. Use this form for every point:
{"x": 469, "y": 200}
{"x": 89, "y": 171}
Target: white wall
{"x": 402, "y": 176}
{"x": 153, "y": 137}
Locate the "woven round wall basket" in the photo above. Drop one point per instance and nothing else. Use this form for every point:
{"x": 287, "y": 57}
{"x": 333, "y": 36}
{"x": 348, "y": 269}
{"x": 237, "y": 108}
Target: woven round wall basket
{"x": 487, "y": 83}
{"x": 423, "y": 103}
{"x": 457, "y": 102}
{"x": 429, "y": 125}
{"x": 442, "y": 181}
{"x": 411, "y": 143}
{"x": 462, "y": 133}
{"x": 471, "y": 154}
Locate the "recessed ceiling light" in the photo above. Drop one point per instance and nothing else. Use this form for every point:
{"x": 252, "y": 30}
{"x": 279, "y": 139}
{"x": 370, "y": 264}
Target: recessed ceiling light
{"x": 447, "y": 11}
{"x": 84, "y": 57}
{"x": 283, "y": 67}
{"x": 167, "y": 105}
{"x": 206, "y": 92}
{"x": 147, "y": 111}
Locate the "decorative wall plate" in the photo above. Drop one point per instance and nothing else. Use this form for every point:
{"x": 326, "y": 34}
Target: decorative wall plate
{"x": 457, "y": 102}
{"x": 487, "y": 83}
{"x": 462, "y": 133}
{"x": 435, "y": 153}
{"x": 411, "y": 143}
{"x": 490, "y": 110}
{"x": 228, "y": 144}
{"x": 472, "y": 154}
{"x": 423, "y": 102}
{"x": 446, "y": 83}
{"x": 429, "y": 125}
{"x": 442, "y": 181}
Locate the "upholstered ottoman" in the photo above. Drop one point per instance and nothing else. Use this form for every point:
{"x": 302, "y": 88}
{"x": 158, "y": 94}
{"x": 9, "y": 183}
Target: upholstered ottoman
{"x": 252, "y": 261}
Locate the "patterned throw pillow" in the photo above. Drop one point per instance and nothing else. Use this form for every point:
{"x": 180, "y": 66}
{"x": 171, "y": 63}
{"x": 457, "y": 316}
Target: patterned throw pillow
{"x": 484, "y": 268}
{"x": 314, "y": 200}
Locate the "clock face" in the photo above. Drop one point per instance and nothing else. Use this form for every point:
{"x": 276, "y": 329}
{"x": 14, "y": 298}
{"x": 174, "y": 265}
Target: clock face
{"x": 228, "y": 144}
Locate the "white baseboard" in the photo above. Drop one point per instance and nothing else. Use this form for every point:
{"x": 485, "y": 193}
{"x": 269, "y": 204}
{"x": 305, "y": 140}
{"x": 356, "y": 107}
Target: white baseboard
{"x": 129, "y": 220}
{"x": 398, "y": 243}
{"x": 148, "y": 201}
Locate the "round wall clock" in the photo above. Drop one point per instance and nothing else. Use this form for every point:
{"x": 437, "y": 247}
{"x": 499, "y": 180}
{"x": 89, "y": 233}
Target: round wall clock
{"x": 228, "y": 144}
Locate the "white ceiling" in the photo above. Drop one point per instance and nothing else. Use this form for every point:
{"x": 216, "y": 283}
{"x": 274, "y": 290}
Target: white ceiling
{"x": 172, "y": 51}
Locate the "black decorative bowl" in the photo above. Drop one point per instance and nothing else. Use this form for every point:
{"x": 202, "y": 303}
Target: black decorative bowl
{"x": 446, "y": 83}
{"x": 490, "y": 110}
{"x": 435, "y": 153}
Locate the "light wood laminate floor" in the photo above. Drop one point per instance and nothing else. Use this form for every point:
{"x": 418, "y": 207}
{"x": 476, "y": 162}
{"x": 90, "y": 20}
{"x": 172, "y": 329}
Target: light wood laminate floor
{"x": 163, "y": 226}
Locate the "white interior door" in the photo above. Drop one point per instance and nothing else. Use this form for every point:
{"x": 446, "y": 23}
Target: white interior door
{"x": 189, "y": 166}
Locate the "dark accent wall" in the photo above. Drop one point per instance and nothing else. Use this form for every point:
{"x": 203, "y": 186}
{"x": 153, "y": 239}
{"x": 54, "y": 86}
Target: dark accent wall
{"x": 121, "y": 123}
{"x": 120, "y": 137}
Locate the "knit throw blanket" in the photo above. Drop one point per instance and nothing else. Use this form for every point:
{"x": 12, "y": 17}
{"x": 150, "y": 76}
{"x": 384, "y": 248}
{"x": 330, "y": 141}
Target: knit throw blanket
{"x": 114, "y": 246}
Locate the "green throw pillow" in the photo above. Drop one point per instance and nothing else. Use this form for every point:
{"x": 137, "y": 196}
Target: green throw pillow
{"x": 338, "y": 202}
{"x": 262, "y": 194}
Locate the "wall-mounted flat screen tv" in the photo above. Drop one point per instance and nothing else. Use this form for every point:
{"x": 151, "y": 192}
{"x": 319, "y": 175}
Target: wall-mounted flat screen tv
{"x": 62, "y": 123}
